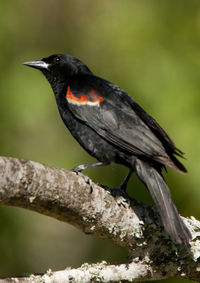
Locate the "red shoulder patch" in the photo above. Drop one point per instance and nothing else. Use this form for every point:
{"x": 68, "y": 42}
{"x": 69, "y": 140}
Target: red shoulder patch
{"x": 92, "y": 98}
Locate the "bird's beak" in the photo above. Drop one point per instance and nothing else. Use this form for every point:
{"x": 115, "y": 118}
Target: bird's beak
{"x": 37, "y": 64}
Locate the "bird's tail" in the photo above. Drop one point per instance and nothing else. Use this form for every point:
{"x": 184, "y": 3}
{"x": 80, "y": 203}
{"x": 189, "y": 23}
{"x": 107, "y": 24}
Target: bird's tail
{"x": 161, "y": 195}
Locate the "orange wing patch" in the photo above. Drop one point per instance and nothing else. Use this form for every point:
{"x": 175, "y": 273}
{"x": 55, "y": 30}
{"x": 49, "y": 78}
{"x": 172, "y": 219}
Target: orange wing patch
{"x": 94, "y": 98}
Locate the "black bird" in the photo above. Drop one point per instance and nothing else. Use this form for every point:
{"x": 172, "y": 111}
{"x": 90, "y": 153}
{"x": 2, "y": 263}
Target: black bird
{"x": 112, "y": 127}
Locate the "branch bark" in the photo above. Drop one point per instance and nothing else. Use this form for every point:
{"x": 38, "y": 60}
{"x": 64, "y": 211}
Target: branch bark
{"x": 106, "y": 213}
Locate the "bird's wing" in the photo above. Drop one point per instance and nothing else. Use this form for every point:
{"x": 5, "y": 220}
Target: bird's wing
{"x": 108, "y": 110}
{"x": 131, "y": 105}
{"x": 103, "y": 109}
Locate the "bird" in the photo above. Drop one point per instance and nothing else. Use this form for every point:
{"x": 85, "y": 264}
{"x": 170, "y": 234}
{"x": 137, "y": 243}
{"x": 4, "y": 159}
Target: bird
{"x": 113, "y": 128}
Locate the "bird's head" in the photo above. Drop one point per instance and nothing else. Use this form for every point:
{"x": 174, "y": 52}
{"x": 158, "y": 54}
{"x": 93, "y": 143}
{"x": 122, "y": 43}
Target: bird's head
{"x": 59, "y": 68}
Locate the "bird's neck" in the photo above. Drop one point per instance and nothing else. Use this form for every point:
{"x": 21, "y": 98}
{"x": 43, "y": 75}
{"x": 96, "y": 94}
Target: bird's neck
{"x": 60, "y": 91}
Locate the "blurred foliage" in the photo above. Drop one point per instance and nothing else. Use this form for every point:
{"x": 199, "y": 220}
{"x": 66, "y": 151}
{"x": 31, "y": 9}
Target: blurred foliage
{"x": 150, "y": 48}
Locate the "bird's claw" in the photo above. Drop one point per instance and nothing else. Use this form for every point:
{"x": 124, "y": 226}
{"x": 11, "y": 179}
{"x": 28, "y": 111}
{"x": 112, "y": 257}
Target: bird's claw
{"x": 86, "y": 178}
{"x": 121, "y": 196}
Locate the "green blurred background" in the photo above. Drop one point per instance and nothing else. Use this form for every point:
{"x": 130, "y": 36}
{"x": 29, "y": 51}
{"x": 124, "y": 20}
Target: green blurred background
{"x": 151, "y": 48}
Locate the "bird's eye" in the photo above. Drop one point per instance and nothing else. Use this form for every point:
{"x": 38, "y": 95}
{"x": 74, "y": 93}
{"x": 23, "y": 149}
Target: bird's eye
{"x": 57, "y": 60}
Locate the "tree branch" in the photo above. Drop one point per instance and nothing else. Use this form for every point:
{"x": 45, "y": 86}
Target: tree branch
{"x": 104, "y": 212}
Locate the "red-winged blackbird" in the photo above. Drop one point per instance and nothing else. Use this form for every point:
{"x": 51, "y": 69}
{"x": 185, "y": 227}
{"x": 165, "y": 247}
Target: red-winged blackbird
{"x": 112, "y": 127}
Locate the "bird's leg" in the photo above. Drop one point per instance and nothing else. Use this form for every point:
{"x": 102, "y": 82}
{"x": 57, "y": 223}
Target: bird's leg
{"x": 122, "y": 196}
{"x": 123, "y": 185}
{"x": 80, "y": 168}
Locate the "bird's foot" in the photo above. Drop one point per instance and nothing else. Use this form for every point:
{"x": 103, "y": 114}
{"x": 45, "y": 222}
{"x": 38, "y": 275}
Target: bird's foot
{"x": 87, "y": 179}
{"x": 121, "y": 196}
{"x": 123, "y": 192}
